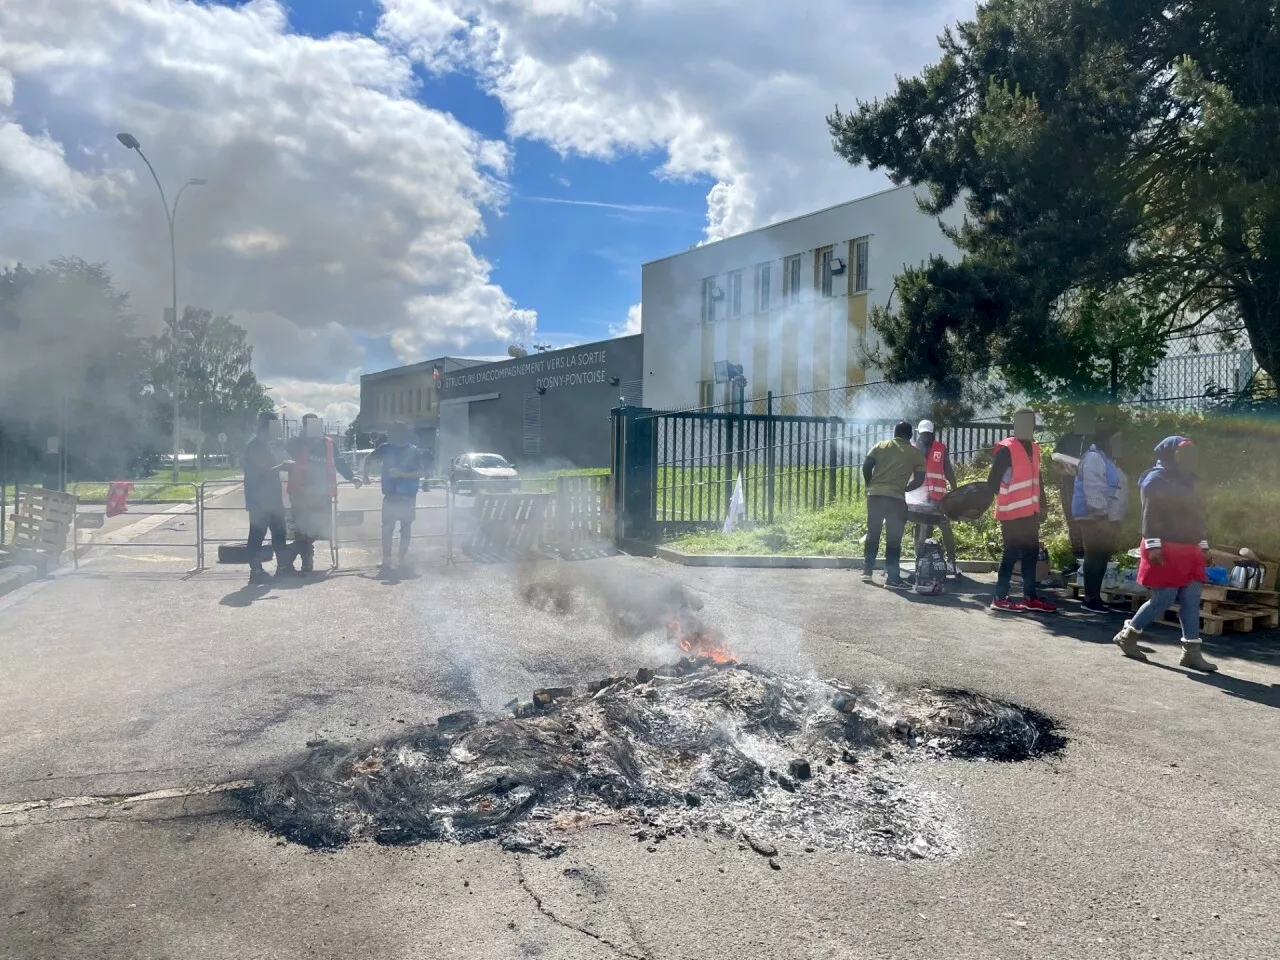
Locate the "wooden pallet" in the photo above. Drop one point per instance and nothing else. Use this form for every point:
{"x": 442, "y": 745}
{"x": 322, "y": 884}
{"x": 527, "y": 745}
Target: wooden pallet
{"x": 511, "y": 522}
{"x": 40, "y": 527}
{"x": 581, "y": 513}
{"x": 1216, "y": 616}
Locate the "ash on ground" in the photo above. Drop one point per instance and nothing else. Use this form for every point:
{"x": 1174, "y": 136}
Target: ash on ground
{"x": 693, "y": 746}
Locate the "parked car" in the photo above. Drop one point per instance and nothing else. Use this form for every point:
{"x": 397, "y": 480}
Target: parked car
{"x": 483, "y": 471}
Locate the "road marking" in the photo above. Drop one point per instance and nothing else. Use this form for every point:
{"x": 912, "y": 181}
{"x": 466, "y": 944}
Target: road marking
{"x": 121, "y": 800}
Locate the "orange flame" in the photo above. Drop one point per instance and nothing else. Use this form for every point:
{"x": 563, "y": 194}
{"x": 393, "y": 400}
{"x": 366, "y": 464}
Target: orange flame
{"x": 699, "y": 643}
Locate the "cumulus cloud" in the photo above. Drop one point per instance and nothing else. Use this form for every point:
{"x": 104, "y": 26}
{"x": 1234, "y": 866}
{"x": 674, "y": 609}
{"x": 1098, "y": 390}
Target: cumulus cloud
{"x": 334, "y": 200}
{"x": 735, "y": 90}
{"x": 629, "y": 326}
{"x": 335, "y": 402}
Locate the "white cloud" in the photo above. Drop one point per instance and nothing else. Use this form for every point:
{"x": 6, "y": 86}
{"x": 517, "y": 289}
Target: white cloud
{"x": 629, "y": 326}
{"x": 335, "y": 199}
{"x": 735, "y": 90}
{"x": 335, "y": 402}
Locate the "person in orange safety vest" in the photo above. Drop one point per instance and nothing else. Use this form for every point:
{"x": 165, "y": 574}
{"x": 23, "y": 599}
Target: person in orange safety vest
{"x": 938, "y": 478}
{"x": 1015, "y": 479}
{"x": 313, "y": 485}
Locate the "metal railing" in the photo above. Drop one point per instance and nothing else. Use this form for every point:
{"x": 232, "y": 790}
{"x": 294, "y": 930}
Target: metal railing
{"x": 421, "y": 511}
{"x": 290, "y": 526}
{"x": 193, "y": 509}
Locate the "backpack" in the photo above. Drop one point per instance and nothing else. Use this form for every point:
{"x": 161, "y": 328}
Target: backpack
{"x": 931, "y": 570}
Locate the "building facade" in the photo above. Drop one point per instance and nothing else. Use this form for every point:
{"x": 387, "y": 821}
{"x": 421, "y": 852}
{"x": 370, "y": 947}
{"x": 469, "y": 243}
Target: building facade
{"x": 548, "y": 409}
{"x": 789, "y": 302}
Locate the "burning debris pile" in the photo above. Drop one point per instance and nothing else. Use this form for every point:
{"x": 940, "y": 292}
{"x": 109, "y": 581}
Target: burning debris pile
{"x": 701, "y": 744}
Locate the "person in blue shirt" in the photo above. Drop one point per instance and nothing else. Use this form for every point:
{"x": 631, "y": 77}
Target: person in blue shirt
{"x": 264, "y": 499}
{"x": 401, "y": 477}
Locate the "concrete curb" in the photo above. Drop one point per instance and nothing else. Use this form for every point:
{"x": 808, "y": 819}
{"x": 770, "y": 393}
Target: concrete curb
{"x": 14, "y": 577}
{"x": 774, "y": 562}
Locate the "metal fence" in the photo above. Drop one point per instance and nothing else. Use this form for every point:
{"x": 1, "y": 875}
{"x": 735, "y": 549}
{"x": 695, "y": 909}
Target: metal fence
{"x": 88, "y": 519}
{"x": 677, "y": 471}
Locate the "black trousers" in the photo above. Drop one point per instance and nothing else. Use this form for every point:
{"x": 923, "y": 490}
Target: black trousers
{"x": 261, "y": 521}
{"x": 889, "y": 514}
{"x": 1099, "y": 546}
{"x": 1021, "y": 539}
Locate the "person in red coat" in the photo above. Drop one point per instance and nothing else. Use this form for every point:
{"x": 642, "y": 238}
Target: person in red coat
{"x": 1173, "y": 551}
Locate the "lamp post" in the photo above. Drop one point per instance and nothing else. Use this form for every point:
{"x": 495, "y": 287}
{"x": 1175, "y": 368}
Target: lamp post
{"x": 130, "y": 142}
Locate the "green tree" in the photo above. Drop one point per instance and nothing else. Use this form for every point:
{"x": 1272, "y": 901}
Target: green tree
{"x": 217, "y": 386}
{"x": 1116, "y": 163}
{"x": 67, "y": 341}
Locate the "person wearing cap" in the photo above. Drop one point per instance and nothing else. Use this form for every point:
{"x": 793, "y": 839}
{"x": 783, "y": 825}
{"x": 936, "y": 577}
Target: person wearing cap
{"x": 1173, "y": 552}
{"x": 891, "y": 470}
{"x": 1015, "y": 480}
{"x": 938, "y": 478}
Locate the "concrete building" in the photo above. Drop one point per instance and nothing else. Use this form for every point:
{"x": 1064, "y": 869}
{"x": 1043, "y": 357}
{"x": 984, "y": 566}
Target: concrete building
{"x": 547, "y": 409}
{"x": 788, "y": 302}
{"x": 410, "y": 394}
{"x": 544, "y": 409}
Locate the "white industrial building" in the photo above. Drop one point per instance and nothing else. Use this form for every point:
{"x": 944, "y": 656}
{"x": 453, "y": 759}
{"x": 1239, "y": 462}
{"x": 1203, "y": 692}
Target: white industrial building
{"x": 789, "y": 303}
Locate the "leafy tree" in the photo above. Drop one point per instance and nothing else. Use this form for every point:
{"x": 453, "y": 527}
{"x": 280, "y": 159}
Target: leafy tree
{"x": 217, "y": 385}
{"x": 67, "y": 338}
{"x": 1116, "y": 162}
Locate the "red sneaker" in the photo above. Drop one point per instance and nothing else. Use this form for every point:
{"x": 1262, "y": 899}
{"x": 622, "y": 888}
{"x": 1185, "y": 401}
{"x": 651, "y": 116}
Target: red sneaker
{"x": 1007, "y": 605}
{"x": 1039, "y": 606}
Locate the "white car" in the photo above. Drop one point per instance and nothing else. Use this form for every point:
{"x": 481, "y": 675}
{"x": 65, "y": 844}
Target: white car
{"x": 487, "y": 472}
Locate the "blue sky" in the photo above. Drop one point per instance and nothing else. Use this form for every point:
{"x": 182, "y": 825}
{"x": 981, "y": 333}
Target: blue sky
{"x": 570, "y": 241}
{"x": 367, "y": 202}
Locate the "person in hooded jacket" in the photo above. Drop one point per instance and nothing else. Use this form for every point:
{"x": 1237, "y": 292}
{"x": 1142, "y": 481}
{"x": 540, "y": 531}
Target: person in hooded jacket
{"x": 1099, "y": 502}
{"x": 1173, "y": 552}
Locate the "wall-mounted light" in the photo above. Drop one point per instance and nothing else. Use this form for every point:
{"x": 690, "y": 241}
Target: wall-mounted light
{"x": 614, "y": 381}
{"x": 837, "y": 266}
{"x": 542, "y": 390}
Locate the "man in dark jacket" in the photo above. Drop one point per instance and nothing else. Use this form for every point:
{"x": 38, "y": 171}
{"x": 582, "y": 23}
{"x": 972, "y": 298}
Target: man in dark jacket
{"x": 264, "y": 499}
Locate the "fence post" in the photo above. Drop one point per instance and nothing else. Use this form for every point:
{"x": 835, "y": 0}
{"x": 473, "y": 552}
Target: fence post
{"x": 771, "y": 461}
{"x": 832, "y": 459}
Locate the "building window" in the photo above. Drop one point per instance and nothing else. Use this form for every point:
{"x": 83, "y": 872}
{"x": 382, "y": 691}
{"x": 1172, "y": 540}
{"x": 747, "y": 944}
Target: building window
{"x": 791, "y": 279}
{"x": 822, "y": 264}
{"x": 861, "y": 250}
{"x": 707, "y": 393}
{"x": 735, "y": 293}
{"x": 709, "y": 291}
{"x": 764, "y": 276}
{"x": 417, "y": 400}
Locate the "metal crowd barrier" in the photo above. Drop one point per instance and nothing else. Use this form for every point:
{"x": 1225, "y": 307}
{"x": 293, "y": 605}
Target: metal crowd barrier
{"x": 335, "y": 519}
{"x": 97, "y": 521}
{"x": 421, "y": 511}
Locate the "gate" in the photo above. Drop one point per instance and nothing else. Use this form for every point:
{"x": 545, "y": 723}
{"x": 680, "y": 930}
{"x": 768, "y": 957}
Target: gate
{"x": 675, "y": 472}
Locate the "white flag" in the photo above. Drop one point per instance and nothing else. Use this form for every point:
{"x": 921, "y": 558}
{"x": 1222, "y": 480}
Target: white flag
{"x": 737, "y": 507}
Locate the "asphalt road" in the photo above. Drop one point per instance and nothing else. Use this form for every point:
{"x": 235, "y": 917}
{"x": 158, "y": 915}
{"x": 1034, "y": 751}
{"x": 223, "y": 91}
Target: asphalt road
{"x": 1153, "y": 835}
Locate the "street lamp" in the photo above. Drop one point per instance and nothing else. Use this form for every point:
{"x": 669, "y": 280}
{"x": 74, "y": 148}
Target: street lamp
{"x": 130, "y": 142}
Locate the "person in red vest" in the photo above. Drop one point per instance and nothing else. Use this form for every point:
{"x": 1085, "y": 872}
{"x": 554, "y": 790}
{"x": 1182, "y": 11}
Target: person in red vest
{"x": 938, "y": 476}
{"x": 313, "y": 486}
{"x": 1015, "y": 480}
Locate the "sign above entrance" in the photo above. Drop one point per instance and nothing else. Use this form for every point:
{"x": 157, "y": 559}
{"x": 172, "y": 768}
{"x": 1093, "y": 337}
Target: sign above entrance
{"x": 569, "y": 370}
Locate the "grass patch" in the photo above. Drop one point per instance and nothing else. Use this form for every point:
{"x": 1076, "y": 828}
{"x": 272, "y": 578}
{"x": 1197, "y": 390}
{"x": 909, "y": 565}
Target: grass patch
{"x": 164, "y": 492}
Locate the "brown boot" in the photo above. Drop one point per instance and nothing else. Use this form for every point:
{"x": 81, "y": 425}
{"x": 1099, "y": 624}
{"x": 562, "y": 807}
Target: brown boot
{"x": 1127, "y": 641}
{"x": 1193, "y": 659}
